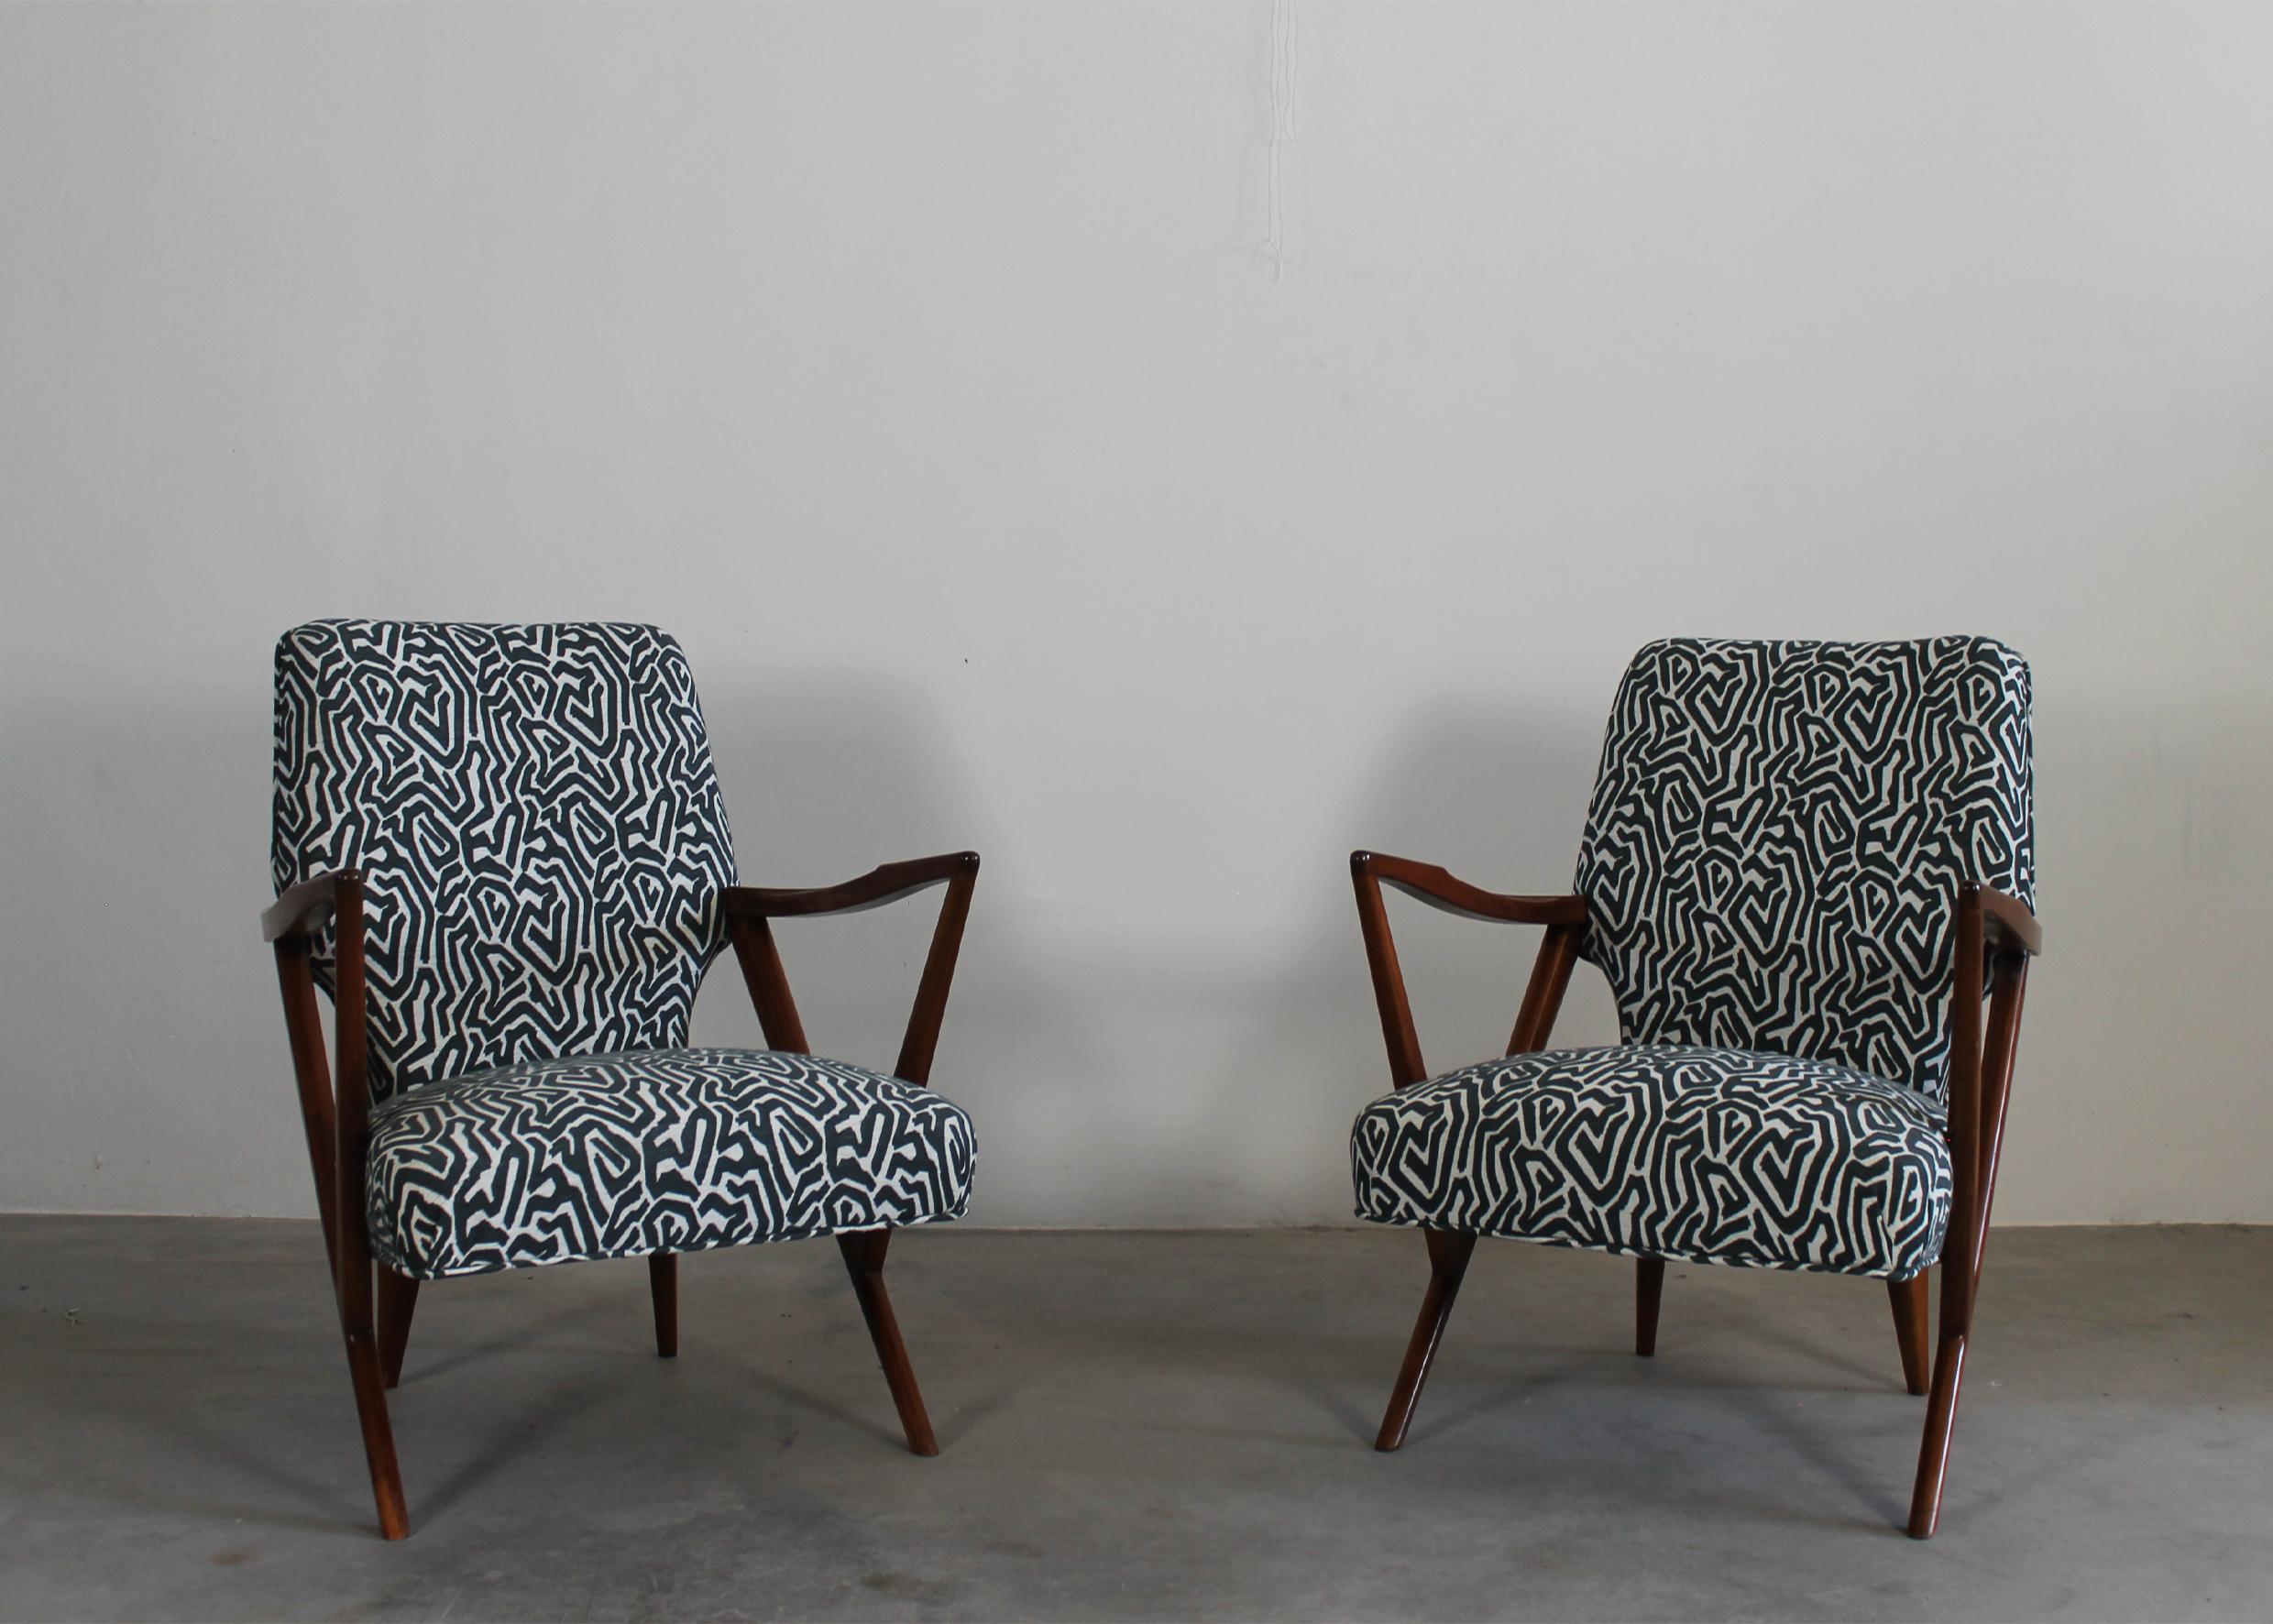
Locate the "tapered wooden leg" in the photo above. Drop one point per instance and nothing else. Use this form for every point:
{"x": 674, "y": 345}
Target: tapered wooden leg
{"x": 1649, "y": 1286}
{"x": 1909, "y": 1300}
{"x": 863, "y": 1260}
{"x": 370, "y": 1395}
{"x": 1941, "y": 1413}
{"x": 398, "y": 1300}
{"x": 663, "y": 1284}
{"x": 1449, "y": 1251}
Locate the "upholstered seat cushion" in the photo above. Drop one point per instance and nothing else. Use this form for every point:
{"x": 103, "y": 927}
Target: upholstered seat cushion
{"x": 654, "y": 1150}
{"x": 1703, "y": 1155}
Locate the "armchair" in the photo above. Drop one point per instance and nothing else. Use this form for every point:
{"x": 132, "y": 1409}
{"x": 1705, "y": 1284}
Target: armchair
{"x": 1805, "y": 868}
{"x": 502, "y": 850}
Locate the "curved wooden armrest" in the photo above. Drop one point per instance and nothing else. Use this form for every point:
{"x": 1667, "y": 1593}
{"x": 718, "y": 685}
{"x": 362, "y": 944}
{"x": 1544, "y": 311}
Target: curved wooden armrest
{"x": 1426, "y": 882}
{"x": 2007, "y": 924}
{"x": 871, "y": 890}
{"x": 1564, "y": 918}
{"x": 751, "y": 908}
{"x": 305, "y": 908}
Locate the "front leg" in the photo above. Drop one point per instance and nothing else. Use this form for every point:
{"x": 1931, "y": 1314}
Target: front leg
{"x": 863, "y": 1260}
{"x": 1449, "y": 1251}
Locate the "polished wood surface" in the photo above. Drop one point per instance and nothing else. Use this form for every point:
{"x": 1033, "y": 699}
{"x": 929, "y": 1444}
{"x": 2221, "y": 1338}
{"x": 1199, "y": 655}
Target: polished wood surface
{"x": 1425, "y": 882}
{"x": 1963, "y": 1127}
{"x": 397, "y": 1300}
{"x": 760, "y": 958}
{"x": 1565, "y": 917}
{"x": 663, "y": 1284}
{"x": 311, "y": 1076}
{"x": 1649, "y": 1289}
{"x": 336, "y": 1118}
{"x": 305, "y": 908}
{"x": 1543, "y": 995}
{"x": 750, "y": 910}
{"x": 1941, "y": 1414}
{"x": 886, "y": 884}
{"x": 1911, "y": 1307}
{"x": 863, "y": 1260}
{"x": 938, "y": 972}
{"x": 1406, "y": 1066}
{"x": 1991, "y": 943}
{"x": 1449, "y": 1251}
{"x": 2011, "y": 927}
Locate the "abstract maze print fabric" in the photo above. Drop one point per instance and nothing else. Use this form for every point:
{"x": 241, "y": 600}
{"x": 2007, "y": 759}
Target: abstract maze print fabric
{"x": 543, "y": 845}
{"x": 539, "y": 826}
{"x": 667, "y": 1150}
{"x": 1776, "y": 836}
{"x": 1704, "y": 1155}
{"x": 1770, "y": 866}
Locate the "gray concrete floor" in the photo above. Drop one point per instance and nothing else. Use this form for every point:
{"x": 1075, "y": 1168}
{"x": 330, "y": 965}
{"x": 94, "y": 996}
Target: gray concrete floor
{"x": 1134, "y": 1426}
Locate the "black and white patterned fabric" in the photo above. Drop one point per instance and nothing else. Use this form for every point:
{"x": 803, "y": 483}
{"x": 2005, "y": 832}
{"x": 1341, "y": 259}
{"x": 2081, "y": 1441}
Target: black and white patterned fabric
{"x": 663, "y": 1150}
{"x": 1778, "y": 833}
{"x": 543, "y": 845}
{"x": 1703, "y": 1155}
{"x": 538, "y": 823}
{"x": 1770, "y": 865}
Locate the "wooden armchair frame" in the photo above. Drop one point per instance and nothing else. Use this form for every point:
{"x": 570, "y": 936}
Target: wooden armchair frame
{"x": 335, "y": 1106}
{"x": 1995, "y": 939}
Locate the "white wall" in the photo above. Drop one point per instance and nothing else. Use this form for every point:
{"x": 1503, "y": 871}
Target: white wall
{"x": 927, "y": 372}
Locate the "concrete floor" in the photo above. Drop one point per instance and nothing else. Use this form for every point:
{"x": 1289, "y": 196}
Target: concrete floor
{"x": 1134, "y": 1426}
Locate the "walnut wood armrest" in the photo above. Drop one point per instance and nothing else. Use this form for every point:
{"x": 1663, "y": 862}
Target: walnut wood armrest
{"x": 750, "y": 910}
{"x": 307, "y": 907}
{"x": 871, "y": 890}
{"x": 1564, "y": 918}
{"x": 1425, "y": 882}
{"x": 2007, "y": 924}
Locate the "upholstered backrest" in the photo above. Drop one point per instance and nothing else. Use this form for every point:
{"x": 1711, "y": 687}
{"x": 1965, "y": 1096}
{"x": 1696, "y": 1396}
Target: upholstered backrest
{"x": 538, "y": 823}
{"x": 1778, "y": 833}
